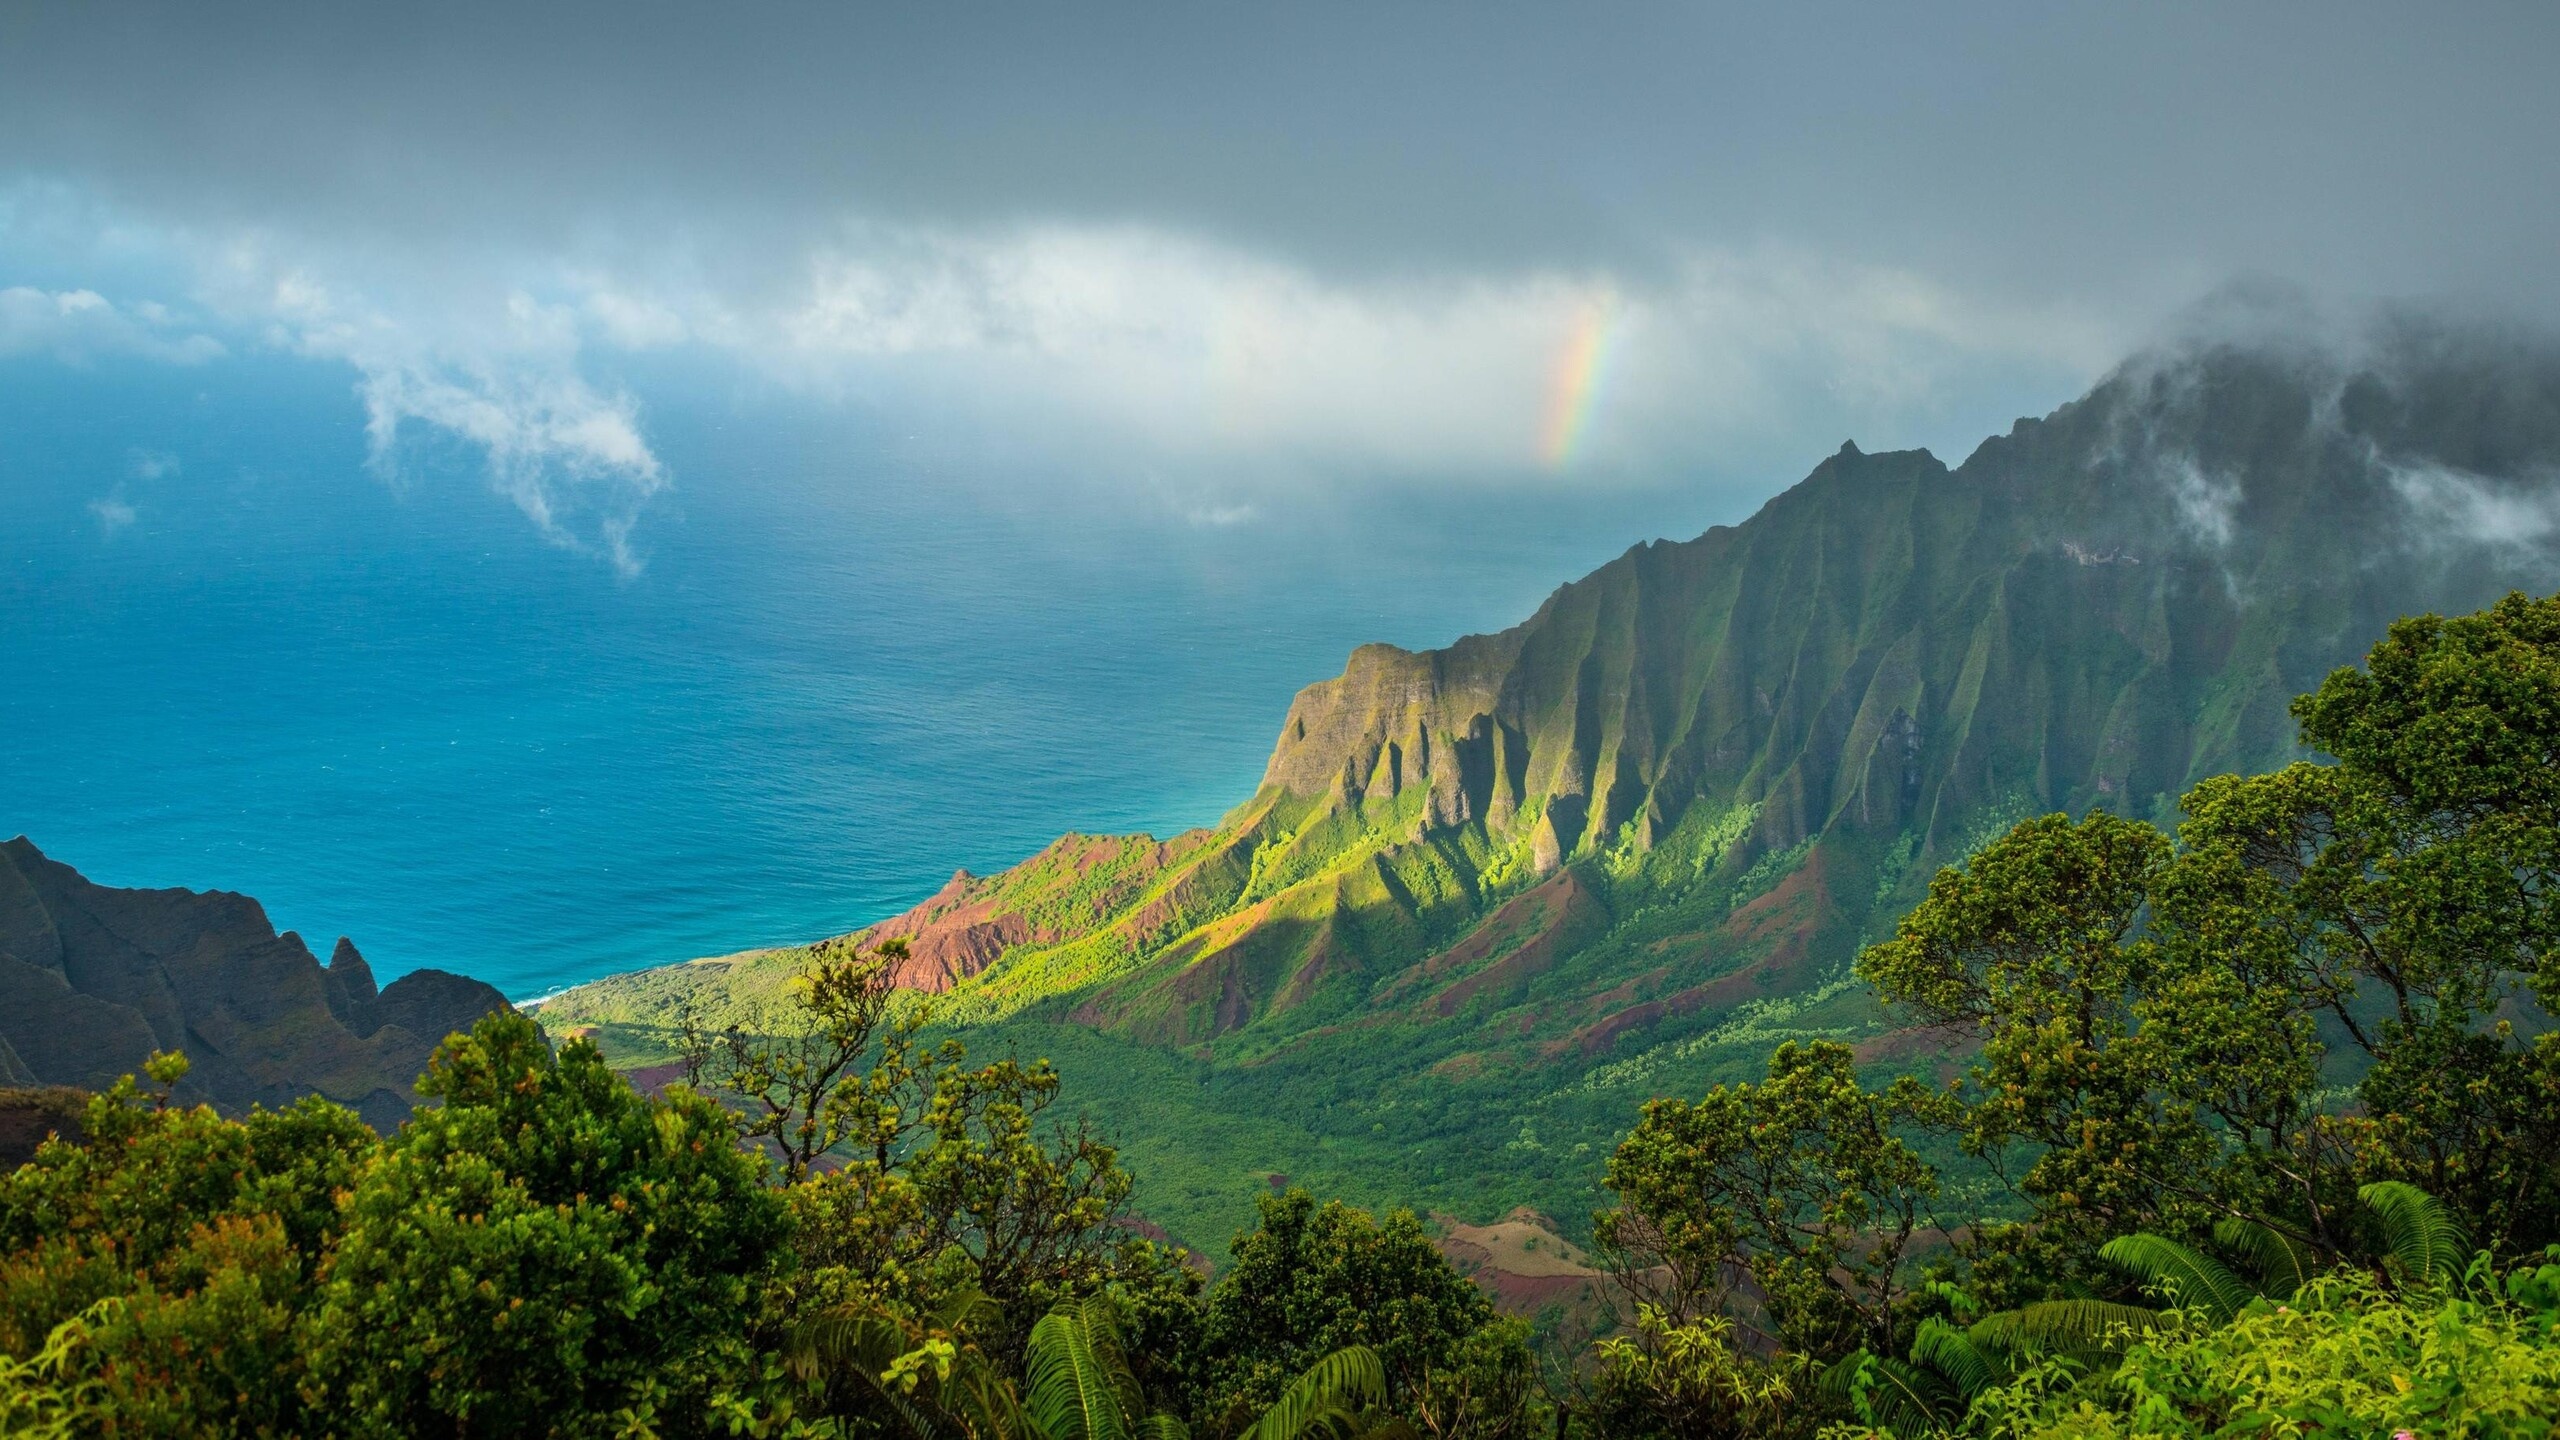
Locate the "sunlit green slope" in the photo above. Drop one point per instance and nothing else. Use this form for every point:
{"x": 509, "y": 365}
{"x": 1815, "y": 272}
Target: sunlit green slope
{"x": 1487, "y": 898}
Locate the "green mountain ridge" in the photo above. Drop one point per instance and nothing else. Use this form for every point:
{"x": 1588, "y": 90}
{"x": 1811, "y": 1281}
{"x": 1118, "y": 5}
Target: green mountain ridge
{"x": 1489, "y": 897}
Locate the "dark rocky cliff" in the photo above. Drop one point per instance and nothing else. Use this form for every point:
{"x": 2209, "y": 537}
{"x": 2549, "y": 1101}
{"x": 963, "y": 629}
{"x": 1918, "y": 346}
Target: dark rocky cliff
{"x": 93, "y": 979}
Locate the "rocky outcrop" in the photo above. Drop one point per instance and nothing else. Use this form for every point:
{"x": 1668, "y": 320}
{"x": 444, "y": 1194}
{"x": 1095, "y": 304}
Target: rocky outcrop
{"x": 30, "y": 1117}
{"x": 93, "y": 979}
{"x": 1077, "y": 883}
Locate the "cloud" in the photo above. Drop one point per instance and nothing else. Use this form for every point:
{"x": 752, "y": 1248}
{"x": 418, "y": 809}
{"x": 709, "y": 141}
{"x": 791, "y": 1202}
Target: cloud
{"x": 80, "y": 327}
{"x": 1206, "y": 350}
{"x": 2207, "y": 504}
{"x": 2453, "y": 506}
{"x": 113, "y": 512}
{"x": 2429, "y": 428}
{"x": 501, "y": 376}
{"x": 1135, "y": 349}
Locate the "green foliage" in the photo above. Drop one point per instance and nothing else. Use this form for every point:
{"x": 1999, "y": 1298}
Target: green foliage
{"x": 2345, "y": 1358}
{"x": 1340, "y": 1395}
{"x": 2424, "y": 1240}
{"x": 1803, "y": 1182}
{"x": 2078, "y": 1326}
{"x": 1313, "y": 1280}
{"x": 959, "y": 1182}
{"x": 788, "y": 1066}
{"x": 2183, "y": 1278}
{"x": 2282, "y": 1265}
{"x": 544, "y": 1252}
{"x": 1687, "y": 1381}
{"x": 921, "y": 1377}
{"x": 159, "y": 1271}
{"x": 926, "y": 1379}
{"x": 50, "y": 1395}
{"x": 1079, "y": 1386}
{"x": 1895, "y": 1397}
{"x": 547, "y": 1252}
{"x": 2156, "y": 1019}
{"x": 2027, "y": 946}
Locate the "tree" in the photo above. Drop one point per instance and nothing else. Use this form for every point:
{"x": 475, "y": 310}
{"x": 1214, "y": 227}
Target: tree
{"x": 2164, "y": 1026}
{"x": 795, "y": 1070}
{"x": 971, "y": 1190}
{"x": 546, "y": 1252}
{"x": 1802, "y": 1183}
{"x": 2031, "y": 948}
{"x": 160, "y": 1270}
{"x": 913, "y": 1176}
{"x": 1311, "y": 1280}
{"x": 1686, "y": 1381}
{"x": 2435, "y": 883}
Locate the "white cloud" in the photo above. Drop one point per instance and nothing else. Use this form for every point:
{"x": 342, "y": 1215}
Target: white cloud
{"x": 634, "y": 322}
{"x": 1203, "y": 349}
{"x": 81, "y": 326}
{"x": 503, "y": 378}
{"x": 113, "y": 513}
{"x": 2208, "y": 505}
{"x": 2456, "y": 506}
{"x": 1138, "y": 347}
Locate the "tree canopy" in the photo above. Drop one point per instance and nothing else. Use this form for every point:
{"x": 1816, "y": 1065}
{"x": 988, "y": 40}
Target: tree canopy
{"x": 2248, "y": 1130}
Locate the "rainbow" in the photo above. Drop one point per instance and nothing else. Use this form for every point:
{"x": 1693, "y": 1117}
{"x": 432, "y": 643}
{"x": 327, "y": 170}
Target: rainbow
{"x": 1574, "y": 392}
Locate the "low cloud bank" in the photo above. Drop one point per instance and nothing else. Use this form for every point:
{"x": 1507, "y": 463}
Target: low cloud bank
{"x": 1137, "y": 347}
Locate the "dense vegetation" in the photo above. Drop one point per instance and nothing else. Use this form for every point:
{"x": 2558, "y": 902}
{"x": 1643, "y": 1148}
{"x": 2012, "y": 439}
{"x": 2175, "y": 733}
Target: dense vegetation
{"x": 2248, "y": 1133}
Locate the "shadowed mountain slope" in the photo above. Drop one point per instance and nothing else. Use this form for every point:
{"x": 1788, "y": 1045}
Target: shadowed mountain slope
{"x": 94, "y": 979}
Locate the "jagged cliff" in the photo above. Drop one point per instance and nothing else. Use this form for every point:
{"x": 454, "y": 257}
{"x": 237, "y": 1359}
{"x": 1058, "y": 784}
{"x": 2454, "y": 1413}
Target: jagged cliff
{"x": 1697, "y": 776}
{"x": 93, "y": 979}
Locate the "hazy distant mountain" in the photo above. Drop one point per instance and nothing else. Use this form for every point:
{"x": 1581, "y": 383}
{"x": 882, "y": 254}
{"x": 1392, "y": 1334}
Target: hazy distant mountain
{"x": 1699, "y": 776}
{"x": 93, "y": 979}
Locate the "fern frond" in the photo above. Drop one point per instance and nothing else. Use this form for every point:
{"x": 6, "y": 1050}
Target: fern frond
{"x": 1331, "y": 1422}
{"x": 2060, "y": 1327}
{"x": 1905, "y": 1401}
{"x": 2284, "y": 1265}
{"x": 847, "y": 1340}
{"x": 1102, "y": 1324}
{"x": 1349, "y": 1380}
{"x": 1943, "y": 1348}
{"x": 2184, "y": 1276}
{"x": 1073, "y": 1396}
{"x": 2423, "y": 1235}
{"x": 965, "y": 1308}
{"x": 1840, "y": 1378}
{"x": 986, "y": 1403}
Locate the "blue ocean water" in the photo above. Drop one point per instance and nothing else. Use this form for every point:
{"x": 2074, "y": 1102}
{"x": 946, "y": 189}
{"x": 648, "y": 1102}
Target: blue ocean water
{"x": 232, "y": 657}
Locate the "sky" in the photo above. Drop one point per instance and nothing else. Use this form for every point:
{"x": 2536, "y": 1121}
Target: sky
{"x": 1237, "y": 256}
